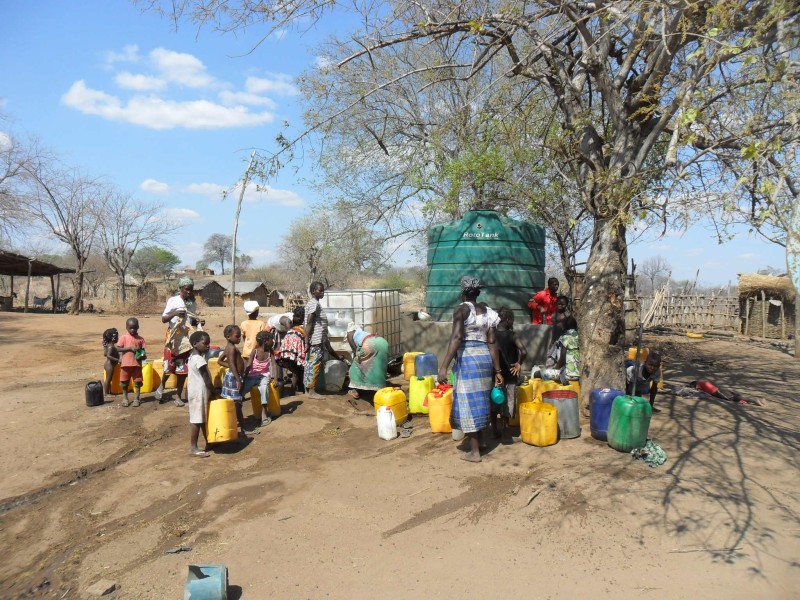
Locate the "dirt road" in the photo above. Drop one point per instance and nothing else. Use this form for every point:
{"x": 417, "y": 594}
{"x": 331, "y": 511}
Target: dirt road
{"x": 317, "y": 506}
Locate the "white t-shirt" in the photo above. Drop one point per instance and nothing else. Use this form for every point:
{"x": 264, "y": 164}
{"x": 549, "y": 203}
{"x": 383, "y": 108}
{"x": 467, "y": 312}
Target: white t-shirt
{"x": 196, "y": 390}
{"x": 275, "y": 321}
{"x": 173, "y": 303}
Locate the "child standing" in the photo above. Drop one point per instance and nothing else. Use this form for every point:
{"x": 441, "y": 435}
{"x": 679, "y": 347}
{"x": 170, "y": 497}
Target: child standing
{"x": 199, "y": 389}
{"x": 234, "y": 377}
{"x": 251, "y": 327}
{"x": 259, "y": 373}
{"x": 512, "y": 354}
{"x": 110, "y": 338}
{"x": 131, "y": 350}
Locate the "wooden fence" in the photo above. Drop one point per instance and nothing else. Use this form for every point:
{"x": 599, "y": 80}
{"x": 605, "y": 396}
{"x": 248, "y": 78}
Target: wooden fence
{"x": 697, "y": 311}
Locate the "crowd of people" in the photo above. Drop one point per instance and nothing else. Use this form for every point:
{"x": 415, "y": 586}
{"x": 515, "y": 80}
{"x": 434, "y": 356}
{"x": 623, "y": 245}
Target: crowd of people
{"x": 292, "y": 348}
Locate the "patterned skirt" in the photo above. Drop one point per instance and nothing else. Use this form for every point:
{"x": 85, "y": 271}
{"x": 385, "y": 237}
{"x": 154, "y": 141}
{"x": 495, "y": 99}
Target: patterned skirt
{"x": 473, "y": 385}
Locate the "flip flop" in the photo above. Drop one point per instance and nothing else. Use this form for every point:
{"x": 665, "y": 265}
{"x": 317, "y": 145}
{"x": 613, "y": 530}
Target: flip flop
{"x": 405, "y": 433}
{"x": 178, "y": 402}
{"x": 199, "y": 454}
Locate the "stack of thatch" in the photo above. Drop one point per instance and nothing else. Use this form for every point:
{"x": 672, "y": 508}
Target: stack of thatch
{"x": 753, "y": 283}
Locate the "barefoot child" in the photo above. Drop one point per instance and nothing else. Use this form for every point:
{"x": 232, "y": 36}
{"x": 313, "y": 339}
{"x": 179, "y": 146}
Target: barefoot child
{"x": 234, "y": 377}
{"x": 199, "y": 389}
{"x": 131, "y": 350}
{"x": 259, "y": 373}
{"x": 110, "y": 338}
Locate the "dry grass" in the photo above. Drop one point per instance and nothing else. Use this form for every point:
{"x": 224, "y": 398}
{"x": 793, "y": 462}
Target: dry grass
{"x": 752, "y": 283}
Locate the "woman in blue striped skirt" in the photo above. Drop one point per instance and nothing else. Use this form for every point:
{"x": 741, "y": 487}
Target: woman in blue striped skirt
{"x": 472, "y": 344}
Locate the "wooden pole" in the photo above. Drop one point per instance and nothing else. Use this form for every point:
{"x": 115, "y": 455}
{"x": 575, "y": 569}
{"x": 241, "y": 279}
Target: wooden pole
{"x": 53, "y": 293}
{"x": 28, "y": 285}
{"x": 235, "y": 231}
{"x": 763, "y": 315}
{"x": 747, "y": 316}
{"x": 12, "y": 291}
{"x": 783, "y": 319}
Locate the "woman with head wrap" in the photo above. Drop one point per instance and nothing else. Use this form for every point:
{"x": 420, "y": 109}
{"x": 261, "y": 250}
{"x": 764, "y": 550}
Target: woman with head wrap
{"x": 472, "y": 344}
{"x": 370, "y": 359}
{"x": 179, "y": 315}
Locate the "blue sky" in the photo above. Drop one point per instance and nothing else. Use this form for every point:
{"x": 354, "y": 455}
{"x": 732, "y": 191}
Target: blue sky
{"x": 171, "y": 117}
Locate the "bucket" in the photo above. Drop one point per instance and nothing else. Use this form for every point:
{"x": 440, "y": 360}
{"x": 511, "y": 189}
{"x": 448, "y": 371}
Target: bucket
{"x": 600, "y": 401}
{"x": 206, "y": 582}
{"x": 335, "y": 372}
{"x": 538, "y": 424}
{"x": 425, "y": 364}
{"x": 408, "y": 364}
{"x": 221, "y": 425}
{"x": 629, "y": 423}
{"x": 440, "y": 401}
{"x": 566, "y": 403}
{"x": 394, "y": 398}
{"x": 418, "y": 388}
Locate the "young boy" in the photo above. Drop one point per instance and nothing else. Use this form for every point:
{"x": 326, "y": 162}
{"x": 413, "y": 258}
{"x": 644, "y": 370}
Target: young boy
{"x": 131, "y": 351}
{"x": 251, "y": 327}
{"x": 199, "y": 389}
{"x": 512, "y": 354}
{"x": 234, "y": 377}
{"x": 647, "y": 382}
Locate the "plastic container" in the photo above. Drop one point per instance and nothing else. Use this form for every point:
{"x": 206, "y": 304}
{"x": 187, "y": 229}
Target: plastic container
{"x": 526, "y": 392}
{"x": 408, "y": 364}
{"x": 213, "y": 352}
{"x": 206, "y": 582}
{"x": 629, "y": 423}
{"x": 375, "y": 310}
{"x": 215, "y": 372}
{"x": 94, "y": 393}
{"x": 335, "y": 372}
{"x": 158, "y": 375}
{"x": 114, "y": 387}
{"x": 566, "y": 403}
{"x": 458, "y": 435}
{"x": 600, "y": 401}
{"x": 538, "y": 424}
{"x": 643, "y": 354}
{"x": 394, "y": 398}
{"x": 425, "y": 364}
{"x": 387, "y": 424}
{"x": 418, "y": 389}
{"x": 550, "y": 386}
{"x": 148, "y": 378}
{"x": 273, "y": 402}
{"x": 440, "y": 402}
{"x": 497, "y": 395}
{"x": 221, "y": 425}
{"x": 255, "y": 403}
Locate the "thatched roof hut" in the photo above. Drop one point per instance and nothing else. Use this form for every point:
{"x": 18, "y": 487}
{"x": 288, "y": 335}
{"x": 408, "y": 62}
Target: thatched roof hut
{"x": 767, "y": 305}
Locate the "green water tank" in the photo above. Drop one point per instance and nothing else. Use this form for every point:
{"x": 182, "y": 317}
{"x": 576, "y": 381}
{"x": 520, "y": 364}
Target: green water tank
{"x": 507, "y": 255}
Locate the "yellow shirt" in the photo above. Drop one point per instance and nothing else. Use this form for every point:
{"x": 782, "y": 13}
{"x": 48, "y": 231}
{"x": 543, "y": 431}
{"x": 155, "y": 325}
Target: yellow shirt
{"x": 250, "y": 328}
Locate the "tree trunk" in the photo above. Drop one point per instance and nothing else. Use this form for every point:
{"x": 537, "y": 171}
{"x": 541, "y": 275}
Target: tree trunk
{"x": 78, "y": 285}
{"x": 602, "y": 324}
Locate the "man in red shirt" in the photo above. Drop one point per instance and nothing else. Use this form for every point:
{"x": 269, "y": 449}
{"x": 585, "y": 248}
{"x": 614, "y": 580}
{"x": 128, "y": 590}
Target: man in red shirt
{"x": 543, "y": 304}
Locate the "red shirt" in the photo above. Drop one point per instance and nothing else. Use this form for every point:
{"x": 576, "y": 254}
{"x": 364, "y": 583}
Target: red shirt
{"x": 546, "y": 299}
{"x": 127, "y": 359}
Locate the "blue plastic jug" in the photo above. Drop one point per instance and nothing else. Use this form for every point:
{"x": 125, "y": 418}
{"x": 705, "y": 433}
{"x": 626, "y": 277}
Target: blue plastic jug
{"x": 600, "y": 403}
{"x": 425, "y": 364}
{"x": 498, "y": 395}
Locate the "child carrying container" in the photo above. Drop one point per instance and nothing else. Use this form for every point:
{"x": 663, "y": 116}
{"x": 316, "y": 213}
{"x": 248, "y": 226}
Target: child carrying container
{"x": 512, "y": 354}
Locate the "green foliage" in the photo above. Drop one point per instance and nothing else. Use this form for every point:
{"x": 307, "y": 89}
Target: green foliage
{"x": 153, "y": 261}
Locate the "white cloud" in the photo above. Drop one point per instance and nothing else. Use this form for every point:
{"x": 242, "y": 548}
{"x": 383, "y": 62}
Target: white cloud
{"x": 277, "y": 84}
{"x": 212, "y": 190}
{"x": 154, "y": 186}
{"x": 181, "y": 68}
{"x": 129, "y": 54}
{"x": 323, "y": 62}
{"x": 232, "y": 98}
{"x": 255, "y": 193}
{"x": 181, "y": 215}
{"x": 157, "y": 113}
{"x": 261, "y": 253}
{"x": 140, "y": 83}
{"x": 5, "y": 141}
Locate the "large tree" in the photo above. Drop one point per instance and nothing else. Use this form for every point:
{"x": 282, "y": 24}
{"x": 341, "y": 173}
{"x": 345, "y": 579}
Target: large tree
{"x": 217, "y": 250}
{"x": 65, "y": 202}
{"x": 153, "y": 260}
{"x": 626, "y": 81}
{"x": 124, "y": 224}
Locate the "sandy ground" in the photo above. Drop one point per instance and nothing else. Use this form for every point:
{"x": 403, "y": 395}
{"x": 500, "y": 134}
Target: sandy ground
{"x": 317, "y": 506}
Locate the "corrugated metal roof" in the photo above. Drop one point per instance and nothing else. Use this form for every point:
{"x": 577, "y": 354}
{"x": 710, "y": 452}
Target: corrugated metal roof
{"x": 244, "y": 287}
